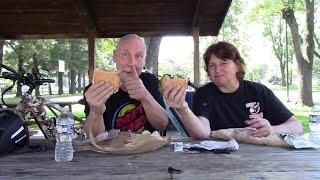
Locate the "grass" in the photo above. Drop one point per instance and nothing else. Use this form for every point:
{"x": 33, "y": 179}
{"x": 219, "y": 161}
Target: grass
{"x": 294, "y": 88}
{"x": 302, "y": 113}
{"x": 14, "y": 100}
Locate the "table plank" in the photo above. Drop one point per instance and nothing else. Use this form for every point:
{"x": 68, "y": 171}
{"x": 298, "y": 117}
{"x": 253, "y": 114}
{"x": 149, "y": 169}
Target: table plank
{"x": 250, "y": 162}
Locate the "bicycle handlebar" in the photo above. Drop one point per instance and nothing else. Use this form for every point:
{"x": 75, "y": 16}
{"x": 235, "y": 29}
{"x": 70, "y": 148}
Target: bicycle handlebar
{"x": 32, "y": 80}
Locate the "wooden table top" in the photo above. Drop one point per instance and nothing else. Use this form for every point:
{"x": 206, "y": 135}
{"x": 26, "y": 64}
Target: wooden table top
{"x": 249, "y": 162}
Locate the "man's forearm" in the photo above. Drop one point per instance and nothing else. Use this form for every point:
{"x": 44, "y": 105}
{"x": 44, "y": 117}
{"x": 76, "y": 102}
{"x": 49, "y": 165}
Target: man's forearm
{"x": 156, "y": 115}
{"x": 94, "y": 122}
{"x": 197, "y": 127}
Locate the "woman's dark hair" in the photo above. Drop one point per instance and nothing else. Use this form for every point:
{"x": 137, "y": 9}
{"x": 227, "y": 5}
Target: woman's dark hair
{"x": 224, "y": 51}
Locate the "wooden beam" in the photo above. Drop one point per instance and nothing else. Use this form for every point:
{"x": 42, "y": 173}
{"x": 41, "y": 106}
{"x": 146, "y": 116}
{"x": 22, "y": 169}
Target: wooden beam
{"x": 195, "y": 31}
{"x": 196, "y": 62}
{"x": 195, "y": 21}
{"x": 86, "y": 15}
{"x": 91, "y": 49}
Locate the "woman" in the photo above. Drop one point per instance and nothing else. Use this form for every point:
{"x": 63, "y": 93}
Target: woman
{"x": 231, "y": 102}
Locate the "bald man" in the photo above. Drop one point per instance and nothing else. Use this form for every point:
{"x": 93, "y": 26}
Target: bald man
{"x": 138, "y": 104}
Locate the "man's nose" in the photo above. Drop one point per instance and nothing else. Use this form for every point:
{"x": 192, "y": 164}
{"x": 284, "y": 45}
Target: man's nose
{"x": 131, "y": 60}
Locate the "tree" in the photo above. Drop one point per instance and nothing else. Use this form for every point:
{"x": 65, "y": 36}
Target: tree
{"x": 230, "y": 28}
{"x": 268, "y": 13}
{"x": 305, "y": 62}
{"x": 153, "y": 45}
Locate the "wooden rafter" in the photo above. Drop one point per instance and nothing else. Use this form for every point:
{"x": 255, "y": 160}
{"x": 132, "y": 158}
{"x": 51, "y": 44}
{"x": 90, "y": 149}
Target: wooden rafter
{"x": 86, "y": 15}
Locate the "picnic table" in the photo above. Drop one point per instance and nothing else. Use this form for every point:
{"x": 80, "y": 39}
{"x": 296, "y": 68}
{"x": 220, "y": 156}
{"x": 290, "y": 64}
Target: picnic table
{"x": 249, "y": 162}
{"x": 67, "y": 101}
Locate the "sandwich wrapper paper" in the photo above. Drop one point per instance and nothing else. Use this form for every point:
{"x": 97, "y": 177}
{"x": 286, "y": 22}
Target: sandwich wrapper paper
{"x": 286, "y": 140}
{"x": 243, "y": 135}
{"x": 301, "y": 142}
{"x": 117, "y": 142}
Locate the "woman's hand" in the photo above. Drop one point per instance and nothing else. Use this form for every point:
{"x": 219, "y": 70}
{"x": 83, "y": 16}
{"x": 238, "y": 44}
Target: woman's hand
{"x": 176, "y": 97}
{"x": 262, "y": 126}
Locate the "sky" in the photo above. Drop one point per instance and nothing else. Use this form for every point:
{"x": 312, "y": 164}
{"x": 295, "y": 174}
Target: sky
{"x": 180, "y": 48}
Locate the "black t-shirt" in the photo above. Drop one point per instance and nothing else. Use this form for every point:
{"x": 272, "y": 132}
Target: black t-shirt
{"x": 125, "y": 113}
{"x": 231, "y": 110}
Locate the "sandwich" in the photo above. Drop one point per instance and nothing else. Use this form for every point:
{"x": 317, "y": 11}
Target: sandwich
{"x": 104, "y": 75}
{"x": 167, "y": 82}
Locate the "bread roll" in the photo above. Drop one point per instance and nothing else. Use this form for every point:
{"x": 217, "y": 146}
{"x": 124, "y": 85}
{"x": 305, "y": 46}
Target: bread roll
{"x": 167, "y": 82}
{"x": 107, "y": 76}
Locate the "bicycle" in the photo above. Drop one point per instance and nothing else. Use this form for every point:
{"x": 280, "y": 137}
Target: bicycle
{"x": 32, "y": 107}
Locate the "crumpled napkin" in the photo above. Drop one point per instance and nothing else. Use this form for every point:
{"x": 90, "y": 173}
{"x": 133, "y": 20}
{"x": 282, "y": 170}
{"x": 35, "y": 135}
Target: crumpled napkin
{"x": 301, "y": 141}
{"x": 243, "y": 135}
{"x": 127, "y": 142}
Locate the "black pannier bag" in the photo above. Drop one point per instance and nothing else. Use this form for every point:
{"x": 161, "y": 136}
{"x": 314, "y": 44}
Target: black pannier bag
{"x": 13, "y": 132}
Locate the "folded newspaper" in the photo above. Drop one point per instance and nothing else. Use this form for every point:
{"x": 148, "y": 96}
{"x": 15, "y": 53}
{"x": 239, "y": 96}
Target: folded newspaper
{"x": 127, "y": 142}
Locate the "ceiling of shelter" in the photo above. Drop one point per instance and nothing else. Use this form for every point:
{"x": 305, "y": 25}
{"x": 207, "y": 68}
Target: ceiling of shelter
{"x": 24, "y": 19}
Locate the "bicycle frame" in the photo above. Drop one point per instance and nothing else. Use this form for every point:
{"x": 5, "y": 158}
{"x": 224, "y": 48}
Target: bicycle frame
{"x": 31, "y": 107}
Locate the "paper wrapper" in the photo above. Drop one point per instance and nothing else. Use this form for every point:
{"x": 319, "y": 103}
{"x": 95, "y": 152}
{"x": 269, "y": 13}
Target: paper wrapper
{"x": 127, "y": 142}
{"x": 242, "y": 135}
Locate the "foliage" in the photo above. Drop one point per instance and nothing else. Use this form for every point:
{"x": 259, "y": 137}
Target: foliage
{"x": 104, "y": 52}
{"x": 257, "y": 73}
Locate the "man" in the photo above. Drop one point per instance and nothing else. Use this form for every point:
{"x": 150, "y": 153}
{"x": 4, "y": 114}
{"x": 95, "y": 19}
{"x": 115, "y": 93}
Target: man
{"x": 231, "y": 102}
{"x": 138, "y": 104}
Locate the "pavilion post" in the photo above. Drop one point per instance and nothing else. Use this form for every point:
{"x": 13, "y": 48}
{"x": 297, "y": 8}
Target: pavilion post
{"x": 91, "y": 50}
{"x": 196, "y": 61}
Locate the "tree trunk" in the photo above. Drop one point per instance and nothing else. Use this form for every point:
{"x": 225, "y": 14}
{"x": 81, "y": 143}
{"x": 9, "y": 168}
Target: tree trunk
{"x": 309, "y": 51}
{"x": 79, "y": 80}
{"x": 72, "y": 89}
{"x": 84, "y": 80}
{"x": 304, "y": 65}
{"x": 49, "y": 89}
{"x": 283, "y": 75}
{"x": 153, "y": 45}
{"x": 1, "y": 52}
{"x": 278, "y": 49}
{"x": 20, "y": 69}
{"x": 60, "y": 83}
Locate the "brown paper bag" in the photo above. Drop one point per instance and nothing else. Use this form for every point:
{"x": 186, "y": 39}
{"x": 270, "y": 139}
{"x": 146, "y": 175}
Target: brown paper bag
{"x": 242, "y": 135}
{"x": 128, "y": 142}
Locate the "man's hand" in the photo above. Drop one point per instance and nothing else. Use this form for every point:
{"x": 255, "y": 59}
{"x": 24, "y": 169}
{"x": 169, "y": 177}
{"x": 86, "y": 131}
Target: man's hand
{"x": 97, "y": 95}
{"x": 262, "y": 125}
{"x": 135, "y": 86}
{"x": 176, "y": 97}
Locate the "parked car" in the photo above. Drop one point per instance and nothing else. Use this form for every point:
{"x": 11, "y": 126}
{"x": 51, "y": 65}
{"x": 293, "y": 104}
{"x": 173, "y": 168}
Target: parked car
{"x": 276, "y": 83}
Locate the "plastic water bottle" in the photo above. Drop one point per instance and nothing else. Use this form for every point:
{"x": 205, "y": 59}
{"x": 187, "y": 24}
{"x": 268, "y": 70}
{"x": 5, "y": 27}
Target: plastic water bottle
{"x": 64, "y": 134}
{"x": 314, "y": 125}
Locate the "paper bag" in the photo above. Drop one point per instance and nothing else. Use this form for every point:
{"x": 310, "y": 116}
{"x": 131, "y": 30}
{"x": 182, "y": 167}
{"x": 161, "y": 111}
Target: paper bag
{"x": 128, "y": 142}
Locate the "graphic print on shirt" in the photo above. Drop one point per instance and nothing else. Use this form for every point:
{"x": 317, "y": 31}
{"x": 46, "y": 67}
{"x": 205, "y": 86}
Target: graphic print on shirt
{"x": 130, "y": 117}
{"x": 254, "y": 108}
